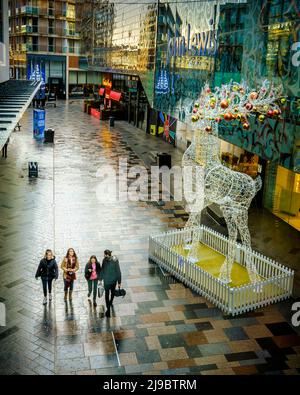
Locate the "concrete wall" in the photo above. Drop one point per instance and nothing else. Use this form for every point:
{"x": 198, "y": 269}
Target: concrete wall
{"x": 4, "y": 46}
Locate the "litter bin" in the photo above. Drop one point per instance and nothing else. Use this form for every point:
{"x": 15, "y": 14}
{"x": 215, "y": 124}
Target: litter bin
{"x": 164, "y": 159}
{"x": 33, "y": 169}
{"x": 112, "y": 121}
{"x": 49, "y": 136}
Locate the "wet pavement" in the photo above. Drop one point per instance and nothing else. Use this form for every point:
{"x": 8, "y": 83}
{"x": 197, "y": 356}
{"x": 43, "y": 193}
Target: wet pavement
{"x": 161, "y": 327}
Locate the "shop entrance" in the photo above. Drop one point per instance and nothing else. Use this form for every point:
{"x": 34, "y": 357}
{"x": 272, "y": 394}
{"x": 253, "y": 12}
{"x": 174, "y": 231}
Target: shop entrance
{"x": 243, "y": 161}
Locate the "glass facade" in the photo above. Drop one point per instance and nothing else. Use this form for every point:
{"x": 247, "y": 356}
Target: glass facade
{"x": 175, "y": 47}
{"x": 217, "y": 41}
{"x": 124, "y": 35}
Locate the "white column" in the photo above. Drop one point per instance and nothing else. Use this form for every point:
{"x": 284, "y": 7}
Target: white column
{"x": 67, "y": 76}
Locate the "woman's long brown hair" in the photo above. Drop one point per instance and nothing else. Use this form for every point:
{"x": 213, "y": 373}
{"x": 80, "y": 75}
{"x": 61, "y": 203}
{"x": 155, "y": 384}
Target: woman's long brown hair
{"x": 75, "y": 256}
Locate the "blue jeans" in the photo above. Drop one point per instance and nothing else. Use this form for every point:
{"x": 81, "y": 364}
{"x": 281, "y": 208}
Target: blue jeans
{"x": 92, "y": 284}
{"x": 47, "y": 281}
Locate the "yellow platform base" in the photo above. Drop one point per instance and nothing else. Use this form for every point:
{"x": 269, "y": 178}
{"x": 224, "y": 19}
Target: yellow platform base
{"x": 211, "y": 261}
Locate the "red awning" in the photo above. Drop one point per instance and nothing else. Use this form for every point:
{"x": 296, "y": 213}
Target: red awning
{"x": 101, "y": 91}
{"x": 115, "y": 95}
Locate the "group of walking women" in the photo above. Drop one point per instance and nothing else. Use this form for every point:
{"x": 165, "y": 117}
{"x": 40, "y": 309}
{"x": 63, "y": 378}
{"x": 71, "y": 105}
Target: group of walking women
{"x": 109, "y": 272}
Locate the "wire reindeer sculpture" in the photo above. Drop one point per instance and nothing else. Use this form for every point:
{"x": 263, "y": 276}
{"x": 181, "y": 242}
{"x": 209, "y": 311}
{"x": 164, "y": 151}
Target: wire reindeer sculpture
{"x": 209, "y": 181}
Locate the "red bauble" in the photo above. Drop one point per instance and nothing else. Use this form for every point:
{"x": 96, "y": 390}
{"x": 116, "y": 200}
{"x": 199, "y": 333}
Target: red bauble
{"x": 195, "y": 110}
{"x": 275, "y": 112}
{"x": 224, "y": 103}
{"x": 270, "y": 113}
{"x": 249, "y": 106}
{"x": 218, "y": 119}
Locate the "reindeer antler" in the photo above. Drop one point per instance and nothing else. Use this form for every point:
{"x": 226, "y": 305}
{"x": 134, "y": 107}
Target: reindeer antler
{"x": 236, "y": 101}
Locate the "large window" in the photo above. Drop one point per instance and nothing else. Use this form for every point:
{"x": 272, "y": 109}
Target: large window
{"x": 282, "y": 195}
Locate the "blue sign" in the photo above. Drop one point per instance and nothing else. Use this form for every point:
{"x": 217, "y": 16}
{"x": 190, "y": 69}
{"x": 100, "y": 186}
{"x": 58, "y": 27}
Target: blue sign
{"x": 38, "y": 124}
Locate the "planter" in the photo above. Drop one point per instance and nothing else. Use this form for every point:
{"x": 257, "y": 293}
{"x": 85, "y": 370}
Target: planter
{"x": 276, "y": 282}
{"x": 95, "y": 113}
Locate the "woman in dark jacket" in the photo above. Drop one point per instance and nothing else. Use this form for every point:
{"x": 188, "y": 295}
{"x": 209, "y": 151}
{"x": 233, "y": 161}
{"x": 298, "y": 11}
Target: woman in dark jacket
{"x": 111, "y": 275}
{"x": 92, "y": 275}
{"x": 48, "y": 271}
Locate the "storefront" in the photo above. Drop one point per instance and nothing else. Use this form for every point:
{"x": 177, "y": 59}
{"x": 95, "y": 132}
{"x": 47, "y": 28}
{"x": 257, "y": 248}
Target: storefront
{"x": 282, "y": 195}
{"x": 53, "y": 70}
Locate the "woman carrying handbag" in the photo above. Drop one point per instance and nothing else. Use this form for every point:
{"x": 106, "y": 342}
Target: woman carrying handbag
{"x": 92, "y": 275}
{"x": 111, "y": 275}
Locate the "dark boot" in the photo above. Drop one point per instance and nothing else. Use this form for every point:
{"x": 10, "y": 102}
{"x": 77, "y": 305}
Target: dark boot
{"x": 66, "y": 295}
{"x": 107, "y": 313}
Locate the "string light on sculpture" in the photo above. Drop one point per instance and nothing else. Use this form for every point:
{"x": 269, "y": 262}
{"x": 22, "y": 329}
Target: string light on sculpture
{"x": 215, "y": 183}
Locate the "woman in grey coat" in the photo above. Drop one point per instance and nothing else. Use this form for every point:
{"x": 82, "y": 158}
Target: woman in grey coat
{"x": 111, "y": 275}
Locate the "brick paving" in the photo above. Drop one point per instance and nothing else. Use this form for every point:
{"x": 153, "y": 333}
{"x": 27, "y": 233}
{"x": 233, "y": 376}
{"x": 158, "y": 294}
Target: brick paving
{"x": 161, "y": 327}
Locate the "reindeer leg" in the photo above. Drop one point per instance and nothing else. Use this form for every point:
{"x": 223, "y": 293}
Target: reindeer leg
{"x": 230, "y": 218}
{"x": 242, "y": 223}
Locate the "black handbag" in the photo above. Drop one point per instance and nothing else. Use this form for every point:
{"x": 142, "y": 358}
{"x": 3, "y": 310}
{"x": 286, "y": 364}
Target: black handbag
{"x": 120, "y": 292}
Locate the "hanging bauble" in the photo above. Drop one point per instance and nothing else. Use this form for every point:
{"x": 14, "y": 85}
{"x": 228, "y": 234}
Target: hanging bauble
{"x": 239, "y": 116}
{"x": 195, "y": 110}
{"x": 253, "y": 95}
{"x": 261, "y": 118}
{"x": 227, "y": 116}
{"x": 208, "y": 129}
{"x": 249, "y": 106}
{"x": 270, "y": 113}
{"x": 218, "y": 119}
{"x": 195, "y": 118}
{"x": 197, "y": 105}
{"x": 283, "y": 100}
{"x": 224, "y": 103}
{"x": 246, "y": 126}
{"x": 208, "y": 90}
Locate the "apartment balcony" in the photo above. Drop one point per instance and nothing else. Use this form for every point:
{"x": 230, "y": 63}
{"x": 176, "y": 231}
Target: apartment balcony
{"x": 28, "y": 10}
{"x": 25, "y": 29}
{"x": 70, "y": 50}
{"x": 72, "y": 33}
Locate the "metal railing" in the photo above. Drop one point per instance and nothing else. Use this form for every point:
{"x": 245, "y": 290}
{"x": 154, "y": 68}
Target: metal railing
{"x": 276, "y": 283}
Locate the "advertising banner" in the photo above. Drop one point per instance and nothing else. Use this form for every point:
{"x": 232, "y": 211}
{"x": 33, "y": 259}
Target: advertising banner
{"x": 38, "y": 124}
{"x": 36, "y": 72}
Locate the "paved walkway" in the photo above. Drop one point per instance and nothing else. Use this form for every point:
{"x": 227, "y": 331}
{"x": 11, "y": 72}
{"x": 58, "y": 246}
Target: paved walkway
{"x": 161, "y": 327}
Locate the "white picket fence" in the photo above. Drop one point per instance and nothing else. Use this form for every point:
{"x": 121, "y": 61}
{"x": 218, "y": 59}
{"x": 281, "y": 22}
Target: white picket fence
{"x": 276, "y": 284}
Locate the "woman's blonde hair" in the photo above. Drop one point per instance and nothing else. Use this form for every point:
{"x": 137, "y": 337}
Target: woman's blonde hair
{"x": 46, "y": 252}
